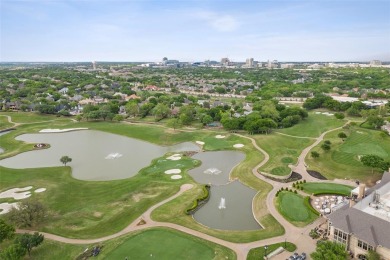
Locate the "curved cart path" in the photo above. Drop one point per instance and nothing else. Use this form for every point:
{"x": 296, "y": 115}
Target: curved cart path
{"x": 296, "y": 235}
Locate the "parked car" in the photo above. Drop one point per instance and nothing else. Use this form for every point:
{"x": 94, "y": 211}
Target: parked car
{"x": 303, "y": 255}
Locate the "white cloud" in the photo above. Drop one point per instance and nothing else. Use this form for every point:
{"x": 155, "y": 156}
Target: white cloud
{"x": 222, "y": 23}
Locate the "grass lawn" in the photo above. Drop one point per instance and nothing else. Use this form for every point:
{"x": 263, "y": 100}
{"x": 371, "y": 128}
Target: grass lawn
{"x": 259, "y": 252}
{"x": 342, "y": 161}
{"x": 293, "y": 209}
{"x": 283, "y": 150}
{"x": 326, "y": 188}
{"x": 313, "y": 126}
{"x": 50, "y": 249}
{"x": 163, "y": 243}
{"x": 31, "y": 117}
{"x": 4, "y": 124}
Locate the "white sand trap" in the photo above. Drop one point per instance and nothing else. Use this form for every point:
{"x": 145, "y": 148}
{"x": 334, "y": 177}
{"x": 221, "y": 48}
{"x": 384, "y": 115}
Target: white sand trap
{"x": 113, "y": 156}
{"x": 16, "y": 193}
{"x": 6, "y": 207}
{"x": 318, "y": 113}
{"x": 40, "y": 190}
{"x": 49, "y": 130}
{"x": 200, "y": 142}
{"x": 174, "y": 157}
{"x": 172, "y": 171}
{"x": 220, "y": 136}
{"x": 359, "y": 132}
{"x": 176, "y": 177}
{"x": 238, "y": 145}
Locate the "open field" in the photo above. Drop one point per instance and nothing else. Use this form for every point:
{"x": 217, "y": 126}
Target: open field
{"x": 24, "y": 117}
{"x": 283, "y": 150}
{"x": 326, "y": 188}
{"x": 342, "y": 161}
{"x": 259, "y": 252}
{"x": 313, "y": 126}
{"x": 165, "y": 243}
{"x": 293, "y": 209}
{"x": 4, "y": 124}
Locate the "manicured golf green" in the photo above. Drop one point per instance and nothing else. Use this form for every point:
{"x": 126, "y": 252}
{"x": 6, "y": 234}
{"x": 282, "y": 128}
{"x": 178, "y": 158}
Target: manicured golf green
{"x": 168, "y": 244}
{"x": 283, "y": 150}
{"x": 259, "y": 252}
{"x": 293, "y": 209}
{"x": 313, "y": 126}
{"x": 342, "y": 161}
{"x": 326, "y": 188}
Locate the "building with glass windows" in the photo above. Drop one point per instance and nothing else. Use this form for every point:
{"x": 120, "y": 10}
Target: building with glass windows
{"x": 364, "y": 224}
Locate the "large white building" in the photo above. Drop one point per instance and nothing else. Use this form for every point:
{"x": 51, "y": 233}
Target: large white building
{"x": 364, "y": 224}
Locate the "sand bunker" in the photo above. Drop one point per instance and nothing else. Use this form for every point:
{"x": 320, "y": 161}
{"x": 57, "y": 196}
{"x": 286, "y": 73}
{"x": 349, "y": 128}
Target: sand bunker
{"x": 238, "y": 145}
{"x": 113, "y": 156}
{"x": 61, "y": 130}
{"x": 172, "y": 171}
{"x": 40, "y": 190}
{"x": 176, "y": 177}
{"x": 174, "y": 157}
{"x": 220, "y": 136}
{"x": 200, "y": 142}
{"x": 6, "y": 207}
{"x": 16, "y": 193}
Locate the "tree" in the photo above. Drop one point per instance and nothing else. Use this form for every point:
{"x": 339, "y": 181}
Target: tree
{"x": 132, "y": 108}
{"x": 160, "y": 111}
{"x": 373, "y": 255}
{"x": 372, "y": 160}
{"x": 329, "y": 250}
{"x": 13, "y": 252}
{"x": 29, "y": 241}
{"x": 173, "y": 123}
{"x": 118, "y": 118}
{"x": 65, "y": 159}
{"x": 28, "y": 214}
{"x": 207, "y": 119}
{"x": 325, "y": 147}
{"x": 339, "y": 115}
{"x": 6, "y": 231}
{"x": 342, "y": 135}
{"x": 315, "y": 154}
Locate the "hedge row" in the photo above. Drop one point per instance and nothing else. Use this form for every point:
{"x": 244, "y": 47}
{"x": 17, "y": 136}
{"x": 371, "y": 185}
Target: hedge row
{"x": 199, "y": 202}
{"x": 331, "y": 193}
{"x": 306, "y": 201}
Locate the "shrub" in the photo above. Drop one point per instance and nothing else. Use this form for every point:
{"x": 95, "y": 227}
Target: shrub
{"x": 309, "y": 206}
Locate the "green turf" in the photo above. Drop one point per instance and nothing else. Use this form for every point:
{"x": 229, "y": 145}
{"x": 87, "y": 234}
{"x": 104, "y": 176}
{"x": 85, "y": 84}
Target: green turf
{"x": 24, "y": 117}
{"x": 328, "y": 188}
{"x": 168, "y": 244}
{"x": 313, "y": 126}
{"x": 283, "y": 150}
{"x": 293, "y": 209}
{"x": 342, "y": 161}
{"x": 4, "y": 124}
{"x": 94, "y": 209}
{"x": 259, "y": 252}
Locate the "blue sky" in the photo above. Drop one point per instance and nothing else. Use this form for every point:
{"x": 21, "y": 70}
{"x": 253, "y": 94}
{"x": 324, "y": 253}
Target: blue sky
{"x": 194, "y": 30}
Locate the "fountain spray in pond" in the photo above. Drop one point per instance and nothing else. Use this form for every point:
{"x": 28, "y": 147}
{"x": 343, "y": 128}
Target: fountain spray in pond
{"x": 222, "y": 204}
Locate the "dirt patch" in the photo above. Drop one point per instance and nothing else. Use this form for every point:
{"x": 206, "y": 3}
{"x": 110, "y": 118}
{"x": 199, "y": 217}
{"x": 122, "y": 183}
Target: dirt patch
{"x": 139, "y": 196}
{"x": 97, "y": 214}
{"x": 316, "y": 175}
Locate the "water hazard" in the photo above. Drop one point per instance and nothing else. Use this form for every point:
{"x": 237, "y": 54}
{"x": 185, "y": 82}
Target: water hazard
{"x": 95, "y": 155}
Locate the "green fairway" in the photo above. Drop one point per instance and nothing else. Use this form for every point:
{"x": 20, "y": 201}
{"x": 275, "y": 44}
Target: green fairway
{"x": 313, "y": 126}
{"x": 4, "y": 124}
{"x": 24, "y": 117}
{"x": 326, "y": 188}
{"x": 293, "y": 209}
{"x": 259, "y": 252}
{"x": 283, "y": 150}
{"x": 342, "y": 161}
{"x": 168, "y": 244}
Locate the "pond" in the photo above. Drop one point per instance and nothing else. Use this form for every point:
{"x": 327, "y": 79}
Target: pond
{"x": 229, "y": 208}
{"x": 216, "y": 166}
{"x": 96, "y": 155}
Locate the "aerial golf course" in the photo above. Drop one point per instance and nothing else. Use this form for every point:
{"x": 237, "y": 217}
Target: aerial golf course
{"x": 111, "y": 209}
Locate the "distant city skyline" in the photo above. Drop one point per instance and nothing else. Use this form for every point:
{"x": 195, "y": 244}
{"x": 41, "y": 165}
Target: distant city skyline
{"x": 135, "y": 30}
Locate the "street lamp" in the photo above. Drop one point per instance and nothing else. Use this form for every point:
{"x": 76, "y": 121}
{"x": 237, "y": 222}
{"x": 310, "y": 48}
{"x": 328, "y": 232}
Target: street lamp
{"x": 265, "y": 249}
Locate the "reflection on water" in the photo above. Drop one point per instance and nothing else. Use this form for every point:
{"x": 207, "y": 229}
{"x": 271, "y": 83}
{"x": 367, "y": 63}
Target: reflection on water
{"x": 88, "y": 150}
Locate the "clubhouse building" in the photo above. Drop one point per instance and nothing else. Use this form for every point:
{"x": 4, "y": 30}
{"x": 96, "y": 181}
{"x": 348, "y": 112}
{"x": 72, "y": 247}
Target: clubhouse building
{"x": 364, "y": 224}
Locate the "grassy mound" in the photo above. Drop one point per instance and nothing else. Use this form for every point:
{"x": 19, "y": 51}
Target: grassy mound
{"x": 293, "y": 209}
{"x": 326, "y": 188}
